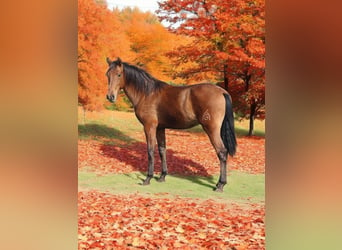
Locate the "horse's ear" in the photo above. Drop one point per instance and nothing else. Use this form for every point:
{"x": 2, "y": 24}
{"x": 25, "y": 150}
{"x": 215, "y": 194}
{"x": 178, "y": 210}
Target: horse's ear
{"x": 119, "y": 61}
{"x": 109, "y": 61}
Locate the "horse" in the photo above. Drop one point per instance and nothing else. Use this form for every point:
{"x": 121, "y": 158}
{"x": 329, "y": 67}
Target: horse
{"x": 159, "y": 106}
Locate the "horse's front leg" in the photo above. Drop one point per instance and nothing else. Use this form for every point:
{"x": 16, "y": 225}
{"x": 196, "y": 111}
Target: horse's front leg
{"x": 162, "y": 152}
{"x": 150, "y": 133}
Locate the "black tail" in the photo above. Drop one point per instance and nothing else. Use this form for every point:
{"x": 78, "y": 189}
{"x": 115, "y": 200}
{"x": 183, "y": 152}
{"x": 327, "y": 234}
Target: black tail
{"x": 227, "y": 129}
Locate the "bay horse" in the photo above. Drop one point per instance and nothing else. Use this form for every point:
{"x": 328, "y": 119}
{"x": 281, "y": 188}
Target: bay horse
{"x": 159, "y": 106}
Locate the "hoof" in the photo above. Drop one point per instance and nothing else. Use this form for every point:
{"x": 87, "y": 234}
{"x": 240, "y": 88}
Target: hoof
{"x": 219, "y": 187}
{"x": 161, "y": 178}
{"x": 218, "y": 190}
{"x": 147, "y": 181}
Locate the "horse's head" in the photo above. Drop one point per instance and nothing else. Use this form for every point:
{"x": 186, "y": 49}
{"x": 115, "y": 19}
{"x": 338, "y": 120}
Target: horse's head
{"x": 115, "y": 78}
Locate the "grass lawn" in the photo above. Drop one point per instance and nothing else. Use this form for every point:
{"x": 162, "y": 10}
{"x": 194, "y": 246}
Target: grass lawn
{"x": 241, "y": 187}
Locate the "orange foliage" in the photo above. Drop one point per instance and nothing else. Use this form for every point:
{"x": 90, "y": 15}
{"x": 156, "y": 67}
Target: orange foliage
{"x": 96, "y": 34}
{"x": 150, "y": 41}
{"x": 137, "y": 37}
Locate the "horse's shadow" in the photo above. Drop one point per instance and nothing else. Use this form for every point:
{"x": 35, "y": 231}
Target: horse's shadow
{"x": 134, "y": 153}
{"x": 102, "y": 133}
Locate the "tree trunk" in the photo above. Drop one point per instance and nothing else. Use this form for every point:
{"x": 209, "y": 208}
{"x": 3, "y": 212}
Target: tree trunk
{"x": 247, "y": 81}
{"x": 251, "y": 119}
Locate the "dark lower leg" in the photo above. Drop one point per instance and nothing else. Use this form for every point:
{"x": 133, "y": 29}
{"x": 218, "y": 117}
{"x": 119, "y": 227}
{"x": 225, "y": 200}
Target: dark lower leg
{"x": 150, "y": 152}
{"x": 162, "y": 154}
{"x": 162, "y": 177}
{"x": 222, "y": 155}
{"x": 147, "y": 180}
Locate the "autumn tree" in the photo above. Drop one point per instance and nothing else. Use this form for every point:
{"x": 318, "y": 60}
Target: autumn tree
{"x": 98, "y": 31}
{"x": 149, "y": 41}
{"x": 196, "y": 19}
{"x": 228, "y": 45}
{"x": 247, "y": 59}
{"x": 135, "y": 36}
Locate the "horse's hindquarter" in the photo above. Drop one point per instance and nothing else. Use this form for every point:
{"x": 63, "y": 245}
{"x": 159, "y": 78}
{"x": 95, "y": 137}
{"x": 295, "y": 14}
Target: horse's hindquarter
{"x": 209, "y": 103}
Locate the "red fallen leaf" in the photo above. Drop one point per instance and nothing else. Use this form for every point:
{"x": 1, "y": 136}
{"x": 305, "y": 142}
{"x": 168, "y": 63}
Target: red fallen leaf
{"x": 186, "y": 158}
{"x": 202, "y": 236}
{"x": 258, "y": 220}
{"x": 96, "y": 244}
{"x": 242, "y": 247}
{"x": 179, "y": 229}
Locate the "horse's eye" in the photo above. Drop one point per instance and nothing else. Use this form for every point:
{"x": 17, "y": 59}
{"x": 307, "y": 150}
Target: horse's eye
{"x": 119, "y": 75}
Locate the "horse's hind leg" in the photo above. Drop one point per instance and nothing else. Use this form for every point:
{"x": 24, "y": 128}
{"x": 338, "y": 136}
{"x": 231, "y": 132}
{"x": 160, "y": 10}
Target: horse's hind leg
{"x": 162, "y": 152}
{"x": 222, "y": 155}
{"x": 221, "y": 151}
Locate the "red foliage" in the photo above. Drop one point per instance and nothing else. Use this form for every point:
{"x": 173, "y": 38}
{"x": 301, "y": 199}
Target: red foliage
{"x": 228, "y": 46}
{"x": 108, "y": 221}
{"x": 184, "y": 156}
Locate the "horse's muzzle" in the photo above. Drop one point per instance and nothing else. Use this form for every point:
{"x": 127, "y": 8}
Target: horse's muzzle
{"x": 111, "y": 98}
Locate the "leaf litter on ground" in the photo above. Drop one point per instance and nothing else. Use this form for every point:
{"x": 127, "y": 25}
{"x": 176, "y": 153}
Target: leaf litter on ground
{"x": 187, "y": 154}
{"x": 110, "y": 221}
{"x": 114, "y": 221}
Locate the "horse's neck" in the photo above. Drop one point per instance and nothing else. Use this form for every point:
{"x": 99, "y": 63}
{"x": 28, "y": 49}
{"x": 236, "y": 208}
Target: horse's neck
{"x": 132, "y": 95}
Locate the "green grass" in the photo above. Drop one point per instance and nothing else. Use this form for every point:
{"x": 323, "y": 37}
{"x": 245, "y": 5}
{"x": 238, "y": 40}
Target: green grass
{"x": 109, "y": 127}
{"x": 242, "y": 127}
{"x": 101, "y": 132}
{"x": 243, "y": 131}
{"x": 241, "y": 187}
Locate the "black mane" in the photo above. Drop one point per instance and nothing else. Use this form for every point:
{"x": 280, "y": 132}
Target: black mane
{"x": 142, "y": 81}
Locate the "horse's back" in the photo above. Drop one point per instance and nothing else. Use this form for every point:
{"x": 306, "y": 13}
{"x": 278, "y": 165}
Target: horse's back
{"x": 207, "y": 89}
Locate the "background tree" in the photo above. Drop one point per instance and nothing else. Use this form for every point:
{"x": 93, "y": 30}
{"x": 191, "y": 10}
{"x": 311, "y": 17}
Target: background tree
{"x": 135, "y": 36}
{"x": 228, "y": 46}
{"x": 98, "y": 31}
{"x": 149, "y": 41}
{"x": 197, "y": 19}
{"x": 246, "y": 57}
